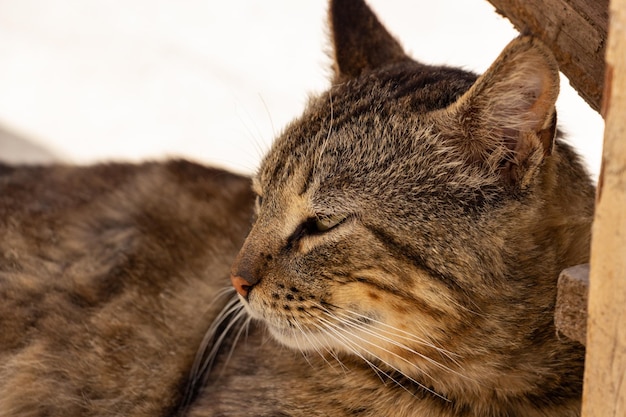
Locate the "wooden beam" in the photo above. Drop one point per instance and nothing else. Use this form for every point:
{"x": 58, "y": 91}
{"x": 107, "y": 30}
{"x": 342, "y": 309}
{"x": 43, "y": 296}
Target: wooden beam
{"x": 575, "y": 31}
{"x": 570, "y": 315}
{"x": 604, "y": 392}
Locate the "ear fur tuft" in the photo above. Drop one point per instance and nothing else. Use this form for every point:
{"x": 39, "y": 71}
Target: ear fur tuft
{"x": 508, "y": 118}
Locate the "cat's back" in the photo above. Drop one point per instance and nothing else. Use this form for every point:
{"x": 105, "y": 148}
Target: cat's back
{"x": 106, "y": 279}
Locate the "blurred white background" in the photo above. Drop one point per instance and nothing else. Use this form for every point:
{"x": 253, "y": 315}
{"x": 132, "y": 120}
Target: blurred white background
{"x": 83, "y": 81}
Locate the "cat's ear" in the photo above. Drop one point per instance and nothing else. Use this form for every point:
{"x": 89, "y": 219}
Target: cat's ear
{"x": 360, "y": 42}
{"x": 508, "y": 118}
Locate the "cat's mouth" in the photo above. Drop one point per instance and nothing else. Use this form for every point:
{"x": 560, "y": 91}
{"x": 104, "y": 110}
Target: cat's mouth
{"x": 302, "y": 340}
{"x": 290, "y": 330}
{"x": 312, "y": 330}
{"x": 290, "y": 333}
{"x": 272, "y": 320}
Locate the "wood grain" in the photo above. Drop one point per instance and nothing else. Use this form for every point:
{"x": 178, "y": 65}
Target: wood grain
{"x": 575, "y": 31}
{"x": 605, "y": 369}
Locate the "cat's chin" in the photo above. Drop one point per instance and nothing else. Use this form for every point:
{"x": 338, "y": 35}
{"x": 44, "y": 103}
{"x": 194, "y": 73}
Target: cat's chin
{"x": 304, "y": 342}
{"x": 286, "y": 335}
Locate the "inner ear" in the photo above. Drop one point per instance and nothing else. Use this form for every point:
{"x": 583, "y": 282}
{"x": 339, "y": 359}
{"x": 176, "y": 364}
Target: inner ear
{"x": 508, "y": 118}
{"x": 360, "y": 41}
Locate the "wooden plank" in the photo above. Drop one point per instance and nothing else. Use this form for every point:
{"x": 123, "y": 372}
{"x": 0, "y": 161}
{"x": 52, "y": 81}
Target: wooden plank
{"x": 575, "y": 30}
{"x": 604, "y": 391}
{"x": 596, "y": 12}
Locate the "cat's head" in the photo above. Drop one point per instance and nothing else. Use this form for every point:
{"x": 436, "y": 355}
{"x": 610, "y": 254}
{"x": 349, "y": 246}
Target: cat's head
{"x": 387, "y": 214}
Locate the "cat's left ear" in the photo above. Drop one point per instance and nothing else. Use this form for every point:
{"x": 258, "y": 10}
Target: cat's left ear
{"x": 360, "y": 41}
{"x": 508, "y": 118}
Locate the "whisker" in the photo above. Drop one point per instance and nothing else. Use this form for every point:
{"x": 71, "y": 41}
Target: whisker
{"x": 330, "y": 129}
{"x": 339, "y": 329}
{"x": 240, "y": 315}
{"x": 246, "y": 325}
{"x": 306, "y": 358}
{"x": 255, "y": 133}
{"x": 316, "y": 346}
{"x": 399, "y": 333}
{"x": 210, "y": 333}
{"x": 230, "y": 314}
{"x": 348, "y": 345}
{"x": 402, "y": 334}
{"x": 373, "y": 332}
{"x": 269, "y": 116}
{"x": 328, "y": 350}
{"x": 236, "y": 309}
{"x": 351, "y": 346}
{"x": 466, "y": 308}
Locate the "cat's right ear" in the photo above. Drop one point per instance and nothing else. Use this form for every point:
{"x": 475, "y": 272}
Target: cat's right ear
{"x": 507, "y": 119}
{"x": 360, "y": 41}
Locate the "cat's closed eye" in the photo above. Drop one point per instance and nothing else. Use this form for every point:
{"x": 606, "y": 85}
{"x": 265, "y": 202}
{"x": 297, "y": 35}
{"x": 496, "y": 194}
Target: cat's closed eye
{"x": 322, "y": 224}
{"x": 317, "y": 225}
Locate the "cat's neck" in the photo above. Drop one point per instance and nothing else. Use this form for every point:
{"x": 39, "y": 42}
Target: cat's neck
{"x": 515, "y": 392}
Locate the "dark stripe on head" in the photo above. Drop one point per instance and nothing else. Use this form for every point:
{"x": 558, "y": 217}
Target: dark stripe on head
{"x": 416, "y": 259}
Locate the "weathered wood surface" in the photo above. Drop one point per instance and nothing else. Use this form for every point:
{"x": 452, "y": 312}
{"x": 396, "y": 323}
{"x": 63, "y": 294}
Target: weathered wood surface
{"x": 575, "y": 30}
{"x": 605, "y": 367}
{"x": 570, "y": 316}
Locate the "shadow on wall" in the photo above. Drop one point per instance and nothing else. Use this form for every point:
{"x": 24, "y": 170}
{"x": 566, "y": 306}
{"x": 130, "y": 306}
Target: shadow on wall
{"x": 16, "y": 149}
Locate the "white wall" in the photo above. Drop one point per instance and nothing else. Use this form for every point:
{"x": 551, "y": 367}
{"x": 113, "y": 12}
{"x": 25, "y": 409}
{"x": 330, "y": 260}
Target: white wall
{"x": 93, "y": 80}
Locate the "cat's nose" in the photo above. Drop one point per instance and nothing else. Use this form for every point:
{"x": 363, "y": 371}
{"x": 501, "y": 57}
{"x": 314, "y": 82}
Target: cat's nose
{"x": 241, "y": 285}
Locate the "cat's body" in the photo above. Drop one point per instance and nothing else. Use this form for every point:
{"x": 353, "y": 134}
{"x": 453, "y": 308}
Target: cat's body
{"x": 107, "y": 276}
{"x": 409, "y": 231}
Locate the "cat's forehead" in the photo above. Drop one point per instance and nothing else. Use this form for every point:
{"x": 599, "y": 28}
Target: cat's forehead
{"x": 362, "y": 125}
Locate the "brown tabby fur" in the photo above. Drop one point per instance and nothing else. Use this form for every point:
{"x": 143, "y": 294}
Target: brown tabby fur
{"x": 409, "y": 230}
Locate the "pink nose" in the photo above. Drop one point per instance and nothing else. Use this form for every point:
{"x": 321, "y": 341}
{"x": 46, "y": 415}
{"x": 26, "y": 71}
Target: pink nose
{"x": 241, "y": 285}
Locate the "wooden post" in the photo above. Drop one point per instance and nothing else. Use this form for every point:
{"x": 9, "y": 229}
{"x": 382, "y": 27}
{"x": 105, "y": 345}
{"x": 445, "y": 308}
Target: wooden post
{"x": 604, "y": 393}
{"x": 575, "y": 31}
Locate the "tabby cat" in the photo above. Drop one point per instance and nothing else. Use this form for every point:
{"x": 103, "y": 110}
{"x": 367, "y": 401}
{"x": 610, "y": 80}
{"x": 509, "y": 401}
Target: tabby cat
{"x": 402, "y": 260}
